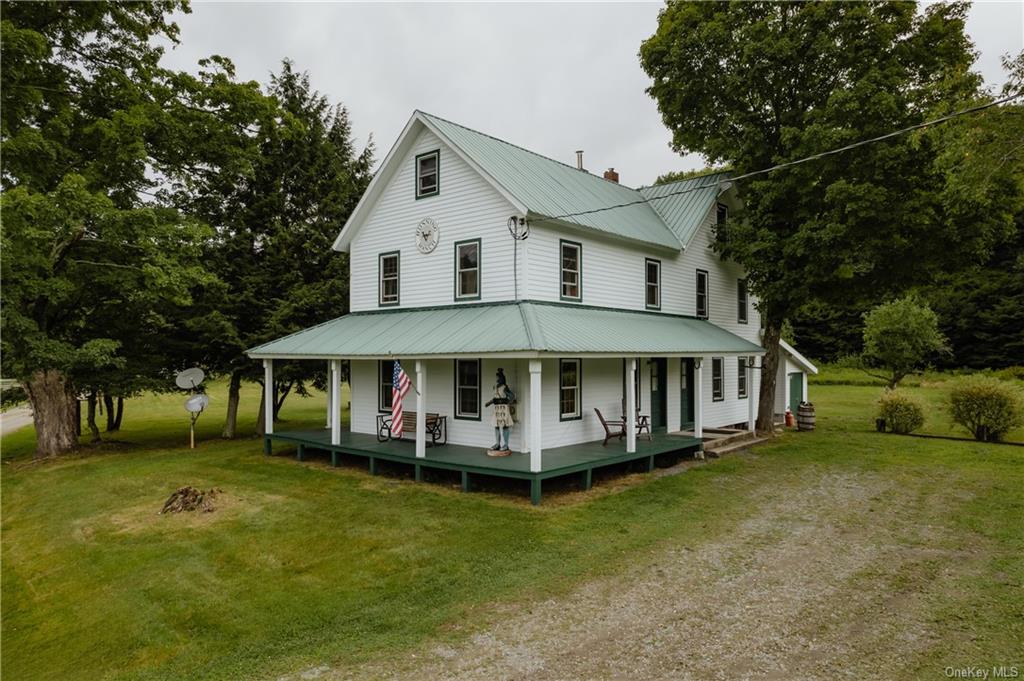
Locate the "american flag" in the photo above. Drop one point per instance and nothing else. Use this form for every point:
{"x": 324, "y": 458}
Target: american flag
{"x": 399, "y": 387}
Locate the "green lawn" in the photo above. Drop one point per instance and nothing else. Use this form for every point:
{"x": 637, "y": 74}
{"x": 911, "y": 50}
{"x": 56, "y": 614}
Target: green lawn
{"x": 305, "y": 564}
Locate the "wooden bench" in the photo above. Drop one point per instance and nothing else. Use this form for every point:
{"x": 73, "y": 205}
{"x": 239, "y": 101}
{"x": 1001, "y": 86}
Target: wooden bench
{"x": 611, "y": 428}
{"x": 437, "y": 428}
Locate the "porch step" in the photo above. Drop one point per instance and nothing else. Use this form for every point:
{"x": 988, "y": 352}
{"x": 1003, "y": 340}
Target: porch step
{"x": 737, "y": 446}
{"x": 720, "y": 444}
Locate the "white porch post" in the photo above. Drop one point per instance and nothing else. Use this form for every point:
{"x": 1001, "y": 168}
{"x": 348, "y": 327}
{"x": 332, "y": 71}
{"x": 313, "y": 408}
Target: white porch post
{"x": 268, "y": 396}
{"x": 330, "y": 392}
{"x": 335, "y": 401}
{"x": 421, "y": 409}
{"x": 753, "y": 393}
{"x": 698, "y": 404}
{"x": 807, "y": 397}
{"x": 631, "y": 405}
{"x": 535, "y": 416}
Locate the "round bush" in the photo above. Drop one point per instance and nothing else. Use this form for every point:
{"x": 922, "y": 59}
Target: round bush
{"x": 987, "y": 407}
{"x": 903, "y": 413}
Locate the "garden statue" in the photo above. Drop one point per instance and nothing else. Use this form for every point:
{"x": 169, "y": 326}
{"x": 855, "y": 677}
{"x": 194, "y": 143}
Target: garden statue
{"x": 504, "y": 415}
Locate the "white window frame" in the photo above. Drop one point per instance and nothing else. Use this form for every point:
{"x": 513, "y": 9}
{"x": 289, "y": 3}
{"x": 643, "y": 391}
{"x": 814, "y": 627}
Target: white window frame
{"x": 702, "y": 294}
{"x": 741, "y": 378}
{"x": 420, "y": 192}
{"x": 649, "y": 285}
{"x": 397, "y": 277}
{"x": 459, "y": 293}
{"x": 576, "y": 390}
{"x": 717, "y": 379}
{"x": 562, "y": 245}
{"x": 460, "y": 413}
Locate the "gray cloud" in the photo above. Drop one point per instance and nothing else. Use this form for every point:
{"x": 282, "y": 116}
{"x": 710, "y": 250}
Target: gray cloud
{"x": 550, "y": 77}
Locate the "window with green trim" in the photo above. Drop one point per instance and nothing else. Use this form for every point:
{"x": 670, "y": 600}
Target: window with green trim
{"x": 571, "y": 255}
{"x": 652, "y": 296}
{"x": 741, "y": 301}
{"x": 569, "y": 391}
{"x": 428, "y": 174}
{"x": 702, "y": 294}
{"x": 717, "y": 379}
{"x": 741, "y": 378}
{"x": 388, "y": 267}
{"x": 467, "y": 389}
{"x": 467, "y": 269}
{"x": 386, "y": 382}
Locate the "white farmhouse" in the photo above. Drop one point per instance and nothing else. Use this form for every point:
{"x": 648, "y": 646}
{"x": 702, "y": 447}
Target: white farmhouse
{"x": 598, "y": 301}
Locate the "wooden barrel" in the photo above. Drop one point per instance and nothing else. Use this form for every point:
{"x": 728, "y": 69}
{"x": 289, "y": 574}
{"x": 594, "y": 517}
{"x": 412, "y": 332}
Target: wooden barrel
{"x": 805, "y": 416}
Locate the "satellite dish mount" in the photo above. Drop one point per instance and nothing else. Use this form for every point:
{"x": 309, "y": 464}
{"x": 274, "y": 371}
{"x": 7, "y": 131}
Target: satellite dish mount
{"x": 190, "y": 379}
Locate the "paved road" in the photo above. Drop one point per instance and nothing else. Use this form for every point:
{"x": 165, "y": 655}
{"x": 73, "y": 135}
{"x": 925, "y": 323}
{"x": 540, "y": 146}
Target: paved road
{"x": 16, "y": 418}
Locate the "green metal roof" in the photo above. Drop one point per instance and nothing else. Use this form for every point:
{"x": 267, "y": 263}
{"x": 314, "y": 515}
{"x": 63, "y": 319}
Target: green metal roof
{"x": 528, "y": 327}
{"x": 683, "y": 213}
{"x": 550, "y": 188}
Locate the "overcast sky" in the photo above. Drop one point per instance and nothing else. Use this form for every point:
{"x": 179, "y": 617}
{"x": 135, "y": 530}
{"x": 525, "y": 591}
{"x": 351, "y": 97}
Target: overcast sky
{"x": 550, "y": 77}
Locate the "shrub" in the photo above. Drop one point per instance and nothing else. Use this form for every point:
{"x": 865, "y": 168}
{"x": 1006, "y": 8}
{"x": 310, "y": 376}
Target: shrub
{"x": 903, "y": 413}
{"x": 987, "y": 407}
{"x": 899, "y": 337}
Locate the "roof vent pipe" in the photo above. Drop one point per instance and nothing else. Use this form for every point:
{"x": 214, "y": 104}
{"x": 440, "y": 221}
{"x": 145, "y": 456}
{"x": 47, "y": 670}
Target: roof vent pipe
{"x": 579, "y": 159}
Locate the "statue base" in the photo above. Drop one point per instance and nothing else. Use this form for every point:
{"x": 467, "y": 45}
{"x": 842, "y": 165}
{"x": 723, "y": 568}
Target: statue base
{"x": 498, "y": 452}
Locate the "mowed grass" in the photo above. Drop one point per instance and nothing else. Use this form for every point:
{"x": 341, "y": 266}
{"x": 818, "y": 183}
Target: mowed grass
{"x": 305, "y": 565}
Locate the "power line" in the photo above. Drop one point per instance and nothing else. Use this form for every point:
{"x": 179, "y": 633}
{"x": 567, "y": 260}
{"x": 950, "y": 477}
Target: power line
{"x": 787, "y": 164}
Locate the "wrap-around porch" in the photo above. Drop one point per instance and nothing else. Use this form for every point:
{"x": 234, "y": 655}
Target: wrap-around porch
{"x": 577, "y": 459}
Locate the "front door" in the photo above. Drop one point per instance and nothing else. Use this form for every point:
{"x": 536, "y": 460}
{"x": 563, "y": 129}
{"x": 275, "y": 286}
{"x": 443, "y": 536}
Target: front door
{"x": 796, "y": 391}
{"x": 658, "y": 404}
{"x": 686, "y": 393}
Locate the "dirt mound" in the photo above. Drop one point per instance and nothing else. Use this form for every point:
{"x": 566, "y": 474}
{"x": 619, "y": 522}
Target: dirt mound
{"x": 191, "y": 499}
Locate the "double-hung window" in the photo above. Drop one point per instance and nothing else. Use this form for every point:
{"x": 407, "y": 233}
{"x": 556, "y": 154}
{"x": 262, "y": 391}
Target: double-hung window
{"x": 741, "y": 301}
{"x": 467, "y": 270}
{"x": 428, "y": 181}
{"x": 388, "y": 276}
{"x": 569, "y": 393}
{"x": 717, "y": 379}
{"x": 467, "y": 389}
{"x": 652, "y": 299}
{"x": 571, "y": 255}
{"x": 702, "y": 294}
{"x": 741, "y": 378}
{"x": 386, "y": 382}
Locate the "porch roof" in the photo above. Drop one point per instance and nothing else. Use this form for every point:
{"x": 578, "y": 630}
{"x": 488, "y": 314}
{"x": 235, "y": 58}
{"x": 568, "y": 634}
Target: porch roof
{"x": 525, "y": 329}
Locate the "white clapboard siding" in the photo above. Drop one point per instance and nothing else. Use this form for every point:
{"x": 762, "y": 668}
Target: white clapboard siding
{"x": 613, "y": 275}
{"x": 467, "y": 207}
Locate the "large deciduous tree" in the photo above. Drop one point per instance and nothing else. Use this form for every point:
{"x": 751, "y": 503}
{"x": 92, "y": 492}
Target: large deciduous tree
{"x": 754, "y": 84}
{"x": 275, "y": 225}
{"x": 93, "y": 265}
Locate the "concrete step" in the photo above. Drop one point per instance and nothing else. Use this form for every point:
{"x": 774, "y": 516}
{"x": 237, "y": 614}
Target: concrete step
{"x": 720, "y": 443}
{"x": 736, "y": 446}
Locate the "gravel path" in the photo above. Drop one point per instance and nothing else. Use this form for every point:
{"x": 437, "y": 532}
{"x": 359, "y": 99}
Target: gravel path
{"x": 13, "y": 419}
{"x": 825, "y": 581}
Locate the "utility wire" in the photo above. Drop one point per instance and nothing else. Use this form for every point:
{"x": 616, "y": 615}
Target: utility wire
{"x": 787, "y": 164}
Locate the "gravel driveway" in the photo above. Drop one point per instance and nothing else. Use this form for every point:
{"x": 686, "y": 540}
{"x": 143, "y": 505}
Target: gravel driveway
{"x": 822, "y": 582}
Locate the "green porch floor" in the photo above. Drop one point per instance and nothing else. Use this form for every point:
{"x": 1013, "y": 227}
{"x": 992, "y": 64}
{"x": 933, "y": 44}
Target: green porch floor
{"x": 580, "y": 458}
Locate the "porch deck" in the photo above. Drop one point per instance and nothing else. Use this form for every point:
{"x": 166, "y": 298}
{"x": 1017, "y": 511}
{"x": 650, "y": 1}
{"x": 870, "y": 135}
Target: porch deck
{"x": 579, "y": 459}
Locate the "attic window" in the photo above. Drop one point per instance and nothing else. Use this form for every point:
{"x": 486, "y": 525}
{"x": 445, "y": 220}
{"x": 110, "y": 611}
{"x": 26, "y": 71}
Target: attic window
{"x": 427, "y": 176}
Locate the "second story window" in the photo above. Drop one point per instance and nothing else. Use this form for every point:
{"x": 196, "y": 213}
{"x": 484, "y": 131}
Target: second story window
{"x": 741, "y": 301}
{"x": 721, "y": 217}
{"x": 652, "y": 298}
{"x": 427, "y": 174}
{"x": 467, "y": 270}
{"x": 388, "y": 284}
{"x": 702, "y": 294}
{"x": 572, "y": 270}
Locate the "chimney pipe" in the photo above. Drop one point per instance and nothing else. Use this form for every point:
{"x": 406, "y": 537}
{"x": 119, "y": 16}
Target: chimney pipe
{"x": 611, "y": 175}
{"x": 579, "y": 159}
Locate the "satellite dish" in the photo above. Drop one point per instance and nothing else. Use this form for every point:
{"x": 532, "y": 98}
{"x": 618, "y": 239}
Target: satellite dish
{"x": 189, "y": 378}
{"x": 196, "y": 403}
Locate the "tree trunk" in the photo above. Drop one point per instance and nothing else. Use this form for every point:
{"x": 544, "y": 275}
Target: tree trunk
{"x": 234, "y": 390}
{"x": 261, "y": 428}
{"x": 108, "y": 402}
{"x": 91, "y": 420}
{"x": 53, "y": 412}
{"x": 281, "y": 391}
{"x": 120, "y": 413}
{"x": 769, "y": 372}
